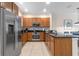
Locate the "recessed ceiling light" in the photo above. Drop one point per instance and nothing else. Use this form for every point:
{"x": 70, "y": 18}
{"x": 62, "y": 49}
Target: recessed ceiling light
{"x": 20, "y": 2}
{"x": 47, "y": 2}
{"x": 44, "y": 10}
{"x": 26, "y": 10}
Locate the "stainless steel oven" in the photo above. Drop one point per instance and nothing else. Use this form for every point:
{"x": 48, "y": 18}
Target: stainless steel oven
{"x": 36, "y": 35}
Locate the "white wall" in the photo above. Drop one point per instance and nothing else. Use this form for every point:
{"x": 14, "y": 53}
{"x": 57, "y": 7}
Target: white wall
{"x": 58, "y": 20}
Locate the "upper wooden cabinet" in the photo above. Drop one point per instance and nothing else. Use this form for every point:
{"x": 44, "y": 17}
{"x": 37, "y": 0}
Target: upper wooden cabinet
{"x": 10, "y": 6}
{"x": 27, "y": 22}
{"x": 7, "y": 5}
{"x": 44, "y": 22}
{"x": 15, "y": 9}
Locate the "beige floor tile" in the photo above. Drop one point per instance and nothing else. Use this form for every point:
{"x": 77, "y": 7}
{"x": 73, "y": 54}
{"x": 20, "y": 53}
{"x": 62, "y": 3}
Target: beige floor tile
{"x": 34, "y": 49}
{"x": 36, "y": 53}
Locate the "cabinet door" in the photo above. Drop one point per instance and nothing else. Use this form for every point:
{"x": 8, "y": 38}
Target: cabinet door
{"x": 7, "y": 5}
{"x": 41, "y": 22}
{"x": 34, "y": 20}
{"x": 24, "y": 38}
{"x": 58, "y": 47}
{"x": 46, "y": 39}
{"x": 49, "y": 42}
{"x": 15, "y": 9}
{"x": 25, "y": 22}
{"x": 63, "y": 46}
{"x": 29, "y": 36}
{"x": 52, "y": 46}
{"x": 42, "y": 36}
{"x": 28, "y": 22}
{"x": 68, "y": 47}
{"x": 38, "y": 20}
{"x": 46, "y": 22}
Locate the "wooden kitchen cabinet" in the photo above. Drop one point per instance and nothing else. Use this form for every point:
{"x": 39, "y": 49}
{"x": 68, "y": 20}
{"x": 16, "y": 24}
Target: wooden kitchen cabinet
{"x": 46, "y": 39}
{"x": 52, "y": 46}
{"x": 15, "y": 9}
{"x": 42, "y": 36}
{"x": 34, "y": 20}
{"x": 10, "y": 6}
{"x": 63, "y": 46}
{"x": 46, "y": 22}
{"x": 68, "y": 47}
{"x": 7, "y": 5}
{"x": 24, "y": 38}
{"x": 49, "y": 42}
{"x": 29, "y": 36}
{"x": 29, "y": 22}
{"x": 59, "y": 46}
{"x": 41, "y": 22}
{"x": 25, "y": 22}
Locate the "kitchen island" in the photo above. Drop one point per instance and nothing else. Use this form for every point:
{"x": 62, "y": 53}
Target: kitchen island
{"x": 59, "y": 45}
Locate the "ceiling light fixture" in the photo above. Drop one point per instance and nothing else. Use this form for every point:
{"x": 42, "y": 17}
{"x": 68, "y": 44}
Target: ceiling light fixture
{"x": 26, "y": 10}
{"x": 47, "y": 2}
{"x": 20, "y": 2}
{"x": 44, "y": 10}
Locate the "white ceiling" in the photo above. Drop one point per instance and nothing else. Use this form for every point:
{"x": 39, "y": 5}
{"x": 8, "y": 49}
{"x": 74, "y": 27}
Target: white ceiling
{"x": 53, "y": 7}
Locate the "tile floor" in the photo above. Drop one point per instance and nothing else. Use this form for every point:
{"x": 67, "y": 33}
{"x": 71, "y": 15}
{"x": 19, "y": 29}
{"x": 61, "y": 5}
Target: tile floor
{"x": 34, "y": 49}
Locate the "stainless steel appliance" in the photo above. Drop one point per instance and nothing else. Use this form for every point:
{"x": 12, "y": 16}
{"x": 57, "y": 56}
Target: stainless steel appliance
{"x": 36, "y": 35}
{"x": 9, "y": 43}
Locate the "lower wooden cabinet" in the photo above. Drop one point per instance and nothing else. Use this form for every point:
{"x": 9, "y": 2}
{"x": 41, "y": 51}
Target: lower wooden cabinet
{"x": 29, "y": 36}
{"x": 24, "y": 38}
{"x": 59, "y": 46}
{"x": 63, "y": 46}
{"x": 42, "y": 36}
{"x": 68, "y": 47}
{"x": 46, "y": 39}
{"x": 52, "y": 46}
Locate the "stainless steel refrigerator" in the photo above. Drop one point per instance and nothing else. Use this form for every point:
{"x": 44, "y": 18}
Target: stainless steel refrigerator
{"x": 10, "y": 44}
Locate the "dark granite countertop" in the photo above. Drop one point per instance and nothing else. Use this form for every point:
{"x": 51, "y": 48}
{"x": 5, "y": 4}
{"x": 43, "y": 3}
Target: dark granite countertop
{"x": 36, "y": 31}
{"x": 72, "y": 36}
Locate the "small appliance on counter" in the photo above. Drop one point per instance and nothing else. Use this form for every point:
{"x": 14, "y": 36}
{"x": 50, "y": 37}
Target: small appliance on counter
{"x": 53, "y": 32}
